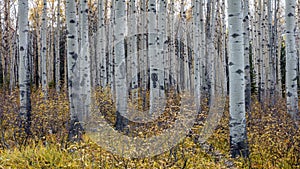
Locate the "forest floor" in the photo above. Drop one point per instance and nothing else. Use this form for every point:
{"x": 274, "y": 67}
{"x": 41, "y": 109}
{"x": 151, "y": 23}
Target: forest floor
{"x": 274, "y": 142}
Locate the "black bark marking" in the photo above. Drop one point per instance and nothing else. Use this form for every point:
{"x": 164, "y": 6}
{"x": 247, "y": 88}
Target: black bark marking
{"x": 239, "y": 71}
{"x": 71, "y": 36}
{"x": 154, "y": 79}
{"x": 161, "y": 87}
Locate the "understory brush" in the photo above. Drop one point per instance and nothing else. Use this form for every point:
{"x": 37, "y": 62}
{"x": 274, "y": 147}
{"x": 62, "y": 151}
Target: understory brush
{"x": 274, "y": 141}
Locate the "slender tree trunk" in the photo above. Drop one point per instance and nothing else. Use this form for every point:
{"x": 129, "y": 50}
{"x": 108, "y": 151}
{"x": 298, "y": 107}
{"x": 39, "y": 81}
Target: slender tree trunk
{"x": 291, "y": 60}
{"x": 73, "y": 70}
{"x": 173, "y": 60}
{"x": 272, "y": 54}
{"x": 101, "y": 52}
{"x": 133, "y": 62}
{"x": 24, "y": 74}
{"x": 120, "y": 69}
{"x": 202, "y": 48}
{"x": 196, "y": 51}
{"x": 84, "y": 60}
{"x": 246, "y": 56}
{"x": 44, "y": 48}
{"x": 153, "y": 58}
{"x": 237, "y": 123}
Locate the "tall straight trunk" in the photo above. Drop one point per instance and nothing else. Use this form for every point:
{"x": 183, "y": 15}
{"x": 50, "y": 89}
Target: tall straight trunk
{"x": 153, "y": 57}
{"x": 277, "y": 51}
{"x": 132, "y": 45}
{"x": 120, "y": 69}
{"x": 50, "y": 56}
{"x": 7, "y": 43}
{"x": 246, "y": 56}
{"x": 84, "y": 60}
{"x": 272, "y": 62}
{"x": 279, "y": 76}
{"x": 161, "y": 27}
{"x": 196, "y": 51}
{"x": 172, "y": 46}
{"x": 256, "y": 39}
{"x": 143, "y": 59}
{"x": 291, "y": 59}
{"x": 44, "y": 48}
{"x": 101, "y": 52}
{"x": 237, "y": 123}
{"x": 57, "y": 49}
{"x": 110, "y": 74}
{"x": 185, "y": 40}
{"x": 73, "y": 70}
{"x": 224, "y": 47}
{"x": 202, "y": 47}
{"x": 24, "y": 74}
{"x": 210, "y": 48}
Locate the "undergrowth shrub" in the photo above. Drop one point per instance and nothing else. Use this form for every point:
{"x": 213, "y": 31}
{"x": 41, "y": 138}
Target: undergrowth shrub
{"x": 274, "y": 142}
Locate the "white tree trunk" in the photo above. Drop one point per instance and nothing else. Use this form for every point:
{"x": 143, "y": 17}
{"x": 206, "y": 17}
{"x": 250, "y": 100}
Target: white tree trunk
{"x": 101, "y": 43}
{"x": 291, "y": 59}
{"x": 120, "y": 68}
{"x": 196, "y": 51}
{"x": 44, "y": 48}
{"x": 24, "y": 74}
{"x": 73, "y": 69}
{"x": 246, "y": 55}
{"x": 153, "y": 57}
{"x": 237, "y": 123}
{"x": 84, "y": 60}
{"x": 132, "y": 45}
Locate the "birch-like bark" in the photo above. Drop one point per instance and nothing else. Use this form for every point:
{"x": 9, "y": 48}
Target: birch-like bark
{"x": 101, "y": 52}
{"x": 84, "y": 60}
{"x": 73, "y": 70}
{"x": 246, "y": 56}
{"x": 133, "y": 62}
{"x": 44, "y": 48}
{"x": 224, "y": 47}
{"x": 202, "y": 48}
{"x": 143, "y": 59}
{"x": 237, "y": 123}
{"x": 256, "y": 56}
{"x": 277, "y": 51}
{"x": 172, "y": 47}
{"x": 153, "y": 58}
{"x": 24, "y": 74}
{"x": 196, "y": 51}
{"x": 272, "y": 62}
{"x": 120, "y": 68}
{"x": 291, "y": 59}
{"x": 110, "y": 74}
{"x": 185, "y": 52}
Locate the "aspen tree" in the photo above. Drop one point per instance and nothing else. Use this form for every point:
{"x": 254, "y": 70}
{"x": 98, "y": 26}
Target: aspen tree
{"x": 237, "y": 123}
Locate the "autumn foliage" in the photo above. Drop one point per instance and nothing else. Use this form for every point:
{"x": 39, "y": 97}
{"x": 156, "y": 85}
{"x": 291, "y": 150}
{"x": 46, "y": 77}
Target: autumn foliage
{"x": 273, "y": 138}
